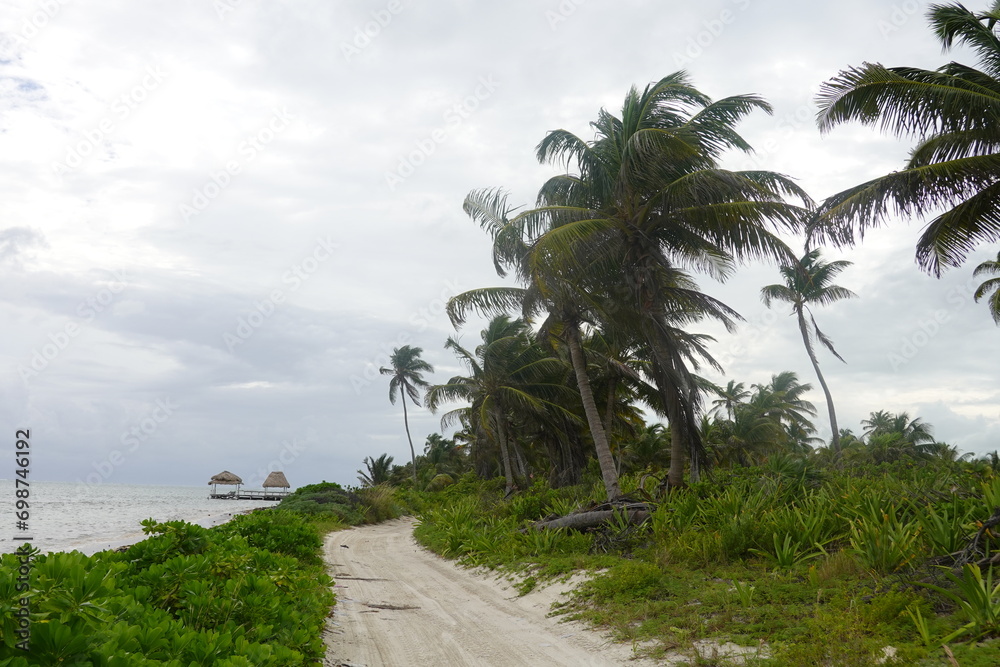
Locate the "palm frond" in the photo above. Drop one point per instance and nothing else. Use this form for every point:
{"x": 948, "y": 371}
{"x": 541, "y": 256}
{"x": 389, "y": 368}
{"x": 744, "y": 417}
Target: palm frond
{"x": 949, "y": 238}
{"x": 487, "y": 301}
{"x": 822, "y": 338}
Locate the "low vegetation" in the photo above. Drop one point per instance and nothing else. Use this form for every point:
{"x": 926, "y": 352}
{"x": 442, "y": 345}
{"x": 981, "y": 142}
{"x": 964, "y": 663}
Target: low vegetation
{"x": 250, "y": 593}
{"x": 799, "y": 563}
{"x": 253, "y": 592}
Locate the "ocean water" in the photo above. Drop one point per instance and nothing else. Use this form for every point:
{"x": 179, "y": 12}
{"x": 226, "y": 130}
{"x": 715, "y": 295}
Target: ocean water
{"x": 65, "y": 516}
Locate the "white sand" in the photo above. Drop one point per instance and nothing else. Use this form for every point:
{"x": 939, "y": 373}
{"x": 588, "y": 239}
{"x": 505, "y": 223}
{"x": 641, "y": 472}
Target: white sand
{"x": 419, "y": 609}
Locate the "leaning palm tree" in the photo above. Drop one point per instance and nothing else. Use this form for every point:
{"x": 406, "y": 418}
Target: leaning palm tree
{"x": 647, "y": 202}
{"x": 809, "y": 281}
{"x": 991, "y": 287}
{"x": 407, "y": 371}
{"x": 545, "y": 292}
{"x": 952, "y": 114}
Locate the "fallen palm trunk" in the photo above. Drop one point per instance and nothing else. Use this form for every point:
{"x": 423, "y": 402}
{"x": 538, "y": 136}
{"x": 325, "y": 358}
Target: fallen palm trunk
{"x": 634, "y": 513}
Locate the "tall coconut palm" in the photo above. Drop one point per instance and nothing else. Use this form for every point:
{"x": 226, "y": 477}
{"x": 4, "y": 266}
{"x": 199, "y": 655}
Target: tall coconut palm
{"x": 809, "y": 281}
{"x": 546, "y": 291}
{"x": 407, "y": 369}
{"x": 649, "y": 199}
{"x": 952, "y": 113}
{"x": 991, "y": 287}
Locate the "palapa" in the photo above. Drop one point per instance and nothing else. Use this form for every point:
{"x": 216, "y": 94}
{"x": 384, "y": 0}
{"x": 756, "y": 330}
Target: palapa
{"x": 276, "y": 479}
{"x": 225, "y": 477}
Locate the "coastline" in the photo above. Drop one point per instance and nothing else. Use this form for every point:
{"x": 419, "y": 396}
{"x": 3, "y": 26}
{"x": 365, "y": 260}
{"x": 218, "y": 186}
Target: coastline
{"x": 92, "y": 547}
{"x": 67, "y": 517}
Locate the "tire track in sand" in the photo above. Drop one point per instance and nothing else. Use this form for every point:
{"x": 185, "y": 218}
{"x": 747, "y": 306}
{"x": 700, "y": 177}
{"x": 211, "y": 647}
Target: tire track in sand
{"x": 399, "y": 605}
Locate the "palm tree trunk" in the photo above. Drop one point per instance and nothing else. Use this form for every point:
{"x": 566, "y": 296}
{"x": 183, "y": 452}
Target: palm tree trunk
{"x": 681, "y": 435}
{"x": 604, "y": 458}
{"x": 835, "y": 441}
{"x": 406, "y": 424}
{"x": 609, "y": 416}
{"x": 508, "y": 473}
{"x": 695, "y": 466}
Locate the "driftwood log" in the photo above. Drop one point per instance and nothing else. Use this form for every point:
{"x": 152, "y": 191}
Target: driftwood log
{"x": 968, "y": 555}
{"x": 597, "y": 516}
{"x": 973, "y": 553}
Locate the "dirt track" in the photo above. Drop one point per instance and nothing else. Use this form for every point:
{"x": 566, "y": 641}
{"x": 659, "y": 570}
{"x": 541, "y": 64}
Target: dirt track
{"x": 399, "y": 605}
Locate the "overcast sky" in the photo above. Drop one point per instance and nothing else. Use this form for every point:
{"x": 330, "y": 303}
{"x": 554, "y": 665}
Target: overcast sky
{"x": 217, "y": 218}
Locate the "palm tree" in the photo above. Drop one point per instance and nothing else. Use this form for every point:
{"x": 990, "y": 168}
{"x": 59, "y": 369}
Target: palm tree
{"x": 952, "y": 113}
{"x": 544, "y": 292}
{"x": 377, "y": 471}
{"x": 407, "y": 380}
{"x": 782, "y": 400}
{"x": 878, "y": 422}
{"x": 444, "y": 454}
{"x": 809, "y": 281}
{"x": 913, "y": 432}
{"x": 510, "y": 376}
{"x": 734, "y": 394}
{"x": 650, "y": 449}
{"x": 648, "y": 200}
{"x": 991, "y": 286}
{"x": 746, "y": 438}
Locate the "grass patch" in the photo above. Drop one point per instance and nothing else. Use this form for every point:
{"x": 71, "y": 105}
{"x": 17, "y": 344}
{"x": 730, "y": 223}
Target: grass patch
{"x": 817, "y": 573}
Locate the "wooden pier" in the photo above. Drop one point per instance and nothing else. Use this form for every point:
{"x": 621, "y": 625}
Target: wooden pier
{"x": 275, "y": 480}
{"x": 249, "y": 495}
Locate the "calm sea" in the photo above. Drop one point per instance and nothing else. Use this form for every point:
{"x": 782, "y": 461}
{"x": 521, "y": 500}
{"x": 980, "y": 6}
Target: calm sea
{"x": 67, "y": 516}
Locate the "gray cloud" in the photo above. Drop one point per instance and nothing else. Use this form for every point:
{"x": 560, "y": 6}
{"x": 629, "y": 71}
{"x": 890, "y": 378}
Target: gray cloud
{"x": 301, "y": 388}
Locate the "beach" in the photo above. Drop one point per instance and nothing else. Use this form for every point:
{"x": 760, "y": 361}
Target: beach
{"x": 399, "y": 604}
{"x": 89, "y": 518}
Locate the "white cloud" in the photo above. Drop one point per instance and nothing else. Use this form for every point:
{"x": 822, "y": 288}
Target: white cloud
{"x": 197, "y": 87}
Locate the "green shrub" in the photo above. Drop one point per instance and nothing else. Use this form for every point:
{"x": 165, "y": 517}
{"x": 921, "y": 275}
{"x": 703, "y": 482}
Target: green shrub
{"x": 439, "y": 482}
{"x": 379, "y": 503}
{"x": 278, "y": 531}
{"x": 184, "y": 596}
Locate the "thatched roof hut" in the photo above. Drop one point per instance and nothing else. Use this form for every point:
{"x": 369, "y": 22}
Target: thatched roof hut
{"x": 225, "y": 477}
{"x": 276, "y": 479}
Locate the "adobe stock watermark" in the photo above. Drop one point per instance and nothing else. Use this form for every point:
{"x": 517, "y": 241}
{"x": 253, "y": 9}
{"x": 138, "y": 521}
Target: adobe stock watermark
{"x": 39, "y": 19}
{"x": 930, "y": 325}
{"x": 562, "y": 12}
{"x": 121, "y": 108}
{"x": 225, "y": 7}
{"x": 365, "y": 34}
{"x": 753, "y": 330}
{"x": 787, "y": 126}
{"x": 290, "y": 451}
{"x": 711, "y": 30}
{"x": 293, "y": 278}
{"x": 428, "y": 145}
{"x": 248, "y": 149}
{"x": 899, "y": 16}
{"x": 131, "y": 440}
{"x": 57, "y": 341}
{"x": 419, "y": 320}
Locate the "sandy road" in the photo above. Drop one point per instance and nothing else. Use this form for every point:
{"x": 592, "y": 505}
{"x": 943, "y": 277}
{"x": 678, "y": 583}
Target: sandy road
{"x": 399, "y": 605}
